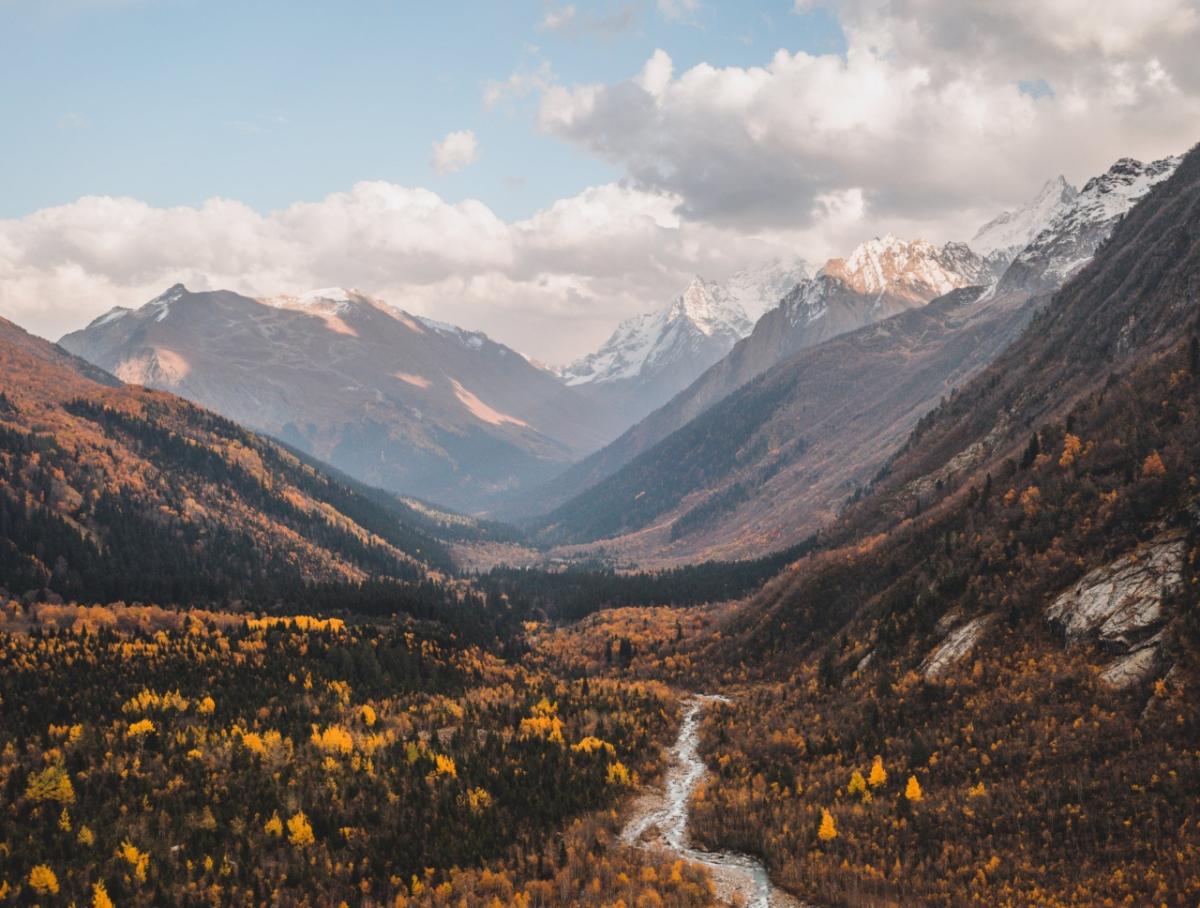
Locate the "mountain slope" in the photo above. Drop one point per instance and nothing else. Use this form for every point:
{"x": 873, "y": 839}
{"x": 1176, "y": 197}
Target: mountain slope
{"x": 402, "y": 403}
{"x": 110, "y": 492}
{"x": 1010, "y": 627}
{"x": 816, "y": 427}
{"x": 773, "y": 461}
{"x": 880, "y": 279}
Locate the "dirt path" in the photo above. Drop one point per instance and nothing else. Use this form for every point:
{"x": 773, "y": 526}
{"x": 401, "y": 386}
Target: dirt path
{"x": 660, "y": 820}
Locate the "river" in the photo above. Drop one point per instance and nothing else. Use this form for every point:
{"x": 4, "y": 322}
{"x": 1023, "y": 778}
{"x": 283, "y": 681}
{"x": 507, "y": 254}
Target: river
{"x": 660, "y": 820}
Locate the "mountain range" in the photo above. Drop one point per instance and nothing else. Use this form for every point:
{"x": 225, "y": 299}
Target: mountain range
{"x": 816, "y": 418}
{"x": 651, "y": 357}
{"x": 826, "y": 372}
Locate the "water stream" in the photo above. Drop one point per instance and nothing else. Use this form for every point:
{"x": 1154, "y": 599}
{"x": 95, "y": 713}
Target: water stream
{"x": 660, "y": 820}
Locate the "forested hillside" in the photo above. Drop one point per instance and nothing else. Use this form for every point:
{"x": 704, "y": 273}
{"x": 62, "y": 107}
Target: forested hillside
{"x": 110, "y": 493}
{"x": 984, "y": 678}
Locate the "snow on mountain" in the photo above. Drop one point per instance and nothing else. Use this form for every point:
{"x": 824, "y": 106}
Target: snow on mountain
{"x": 1075, "y": 232}
{"x": 110, "y": 316}
{"x": 1011, "y": 231}
{"x": 703, "y": 322}
{"x": 915, "y": 270}
{"x": 758, "y": 290}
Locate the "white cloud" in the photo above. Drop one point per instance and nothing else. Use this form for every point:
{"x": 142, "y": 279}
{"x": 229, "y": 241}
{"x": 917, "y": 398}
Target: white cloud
{"x": 566, "y": 19}
{"x": 519, "y": 85}
{"x": 551, "y": 285}
{"x": 921, "y": 127}
{"x": 924, "y": 115}
{"x": 454, "y": 152}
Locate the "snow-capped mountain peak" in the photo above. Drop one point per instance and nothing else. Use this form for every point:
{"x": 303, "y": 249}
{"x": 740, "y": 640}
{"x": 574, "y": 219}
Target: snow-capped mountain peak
{"x": 1011, "y": 231}
{"x": 698, "y": 326}
{"x": 760, "y": 288}
{"x": 707, "y": 307}
{"x": 1072, "y": 236}
{"x": 913, "y": 270}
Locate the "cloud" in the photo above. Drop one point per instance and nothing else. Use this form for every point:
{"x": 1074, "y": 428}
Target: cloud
{"x": 557, "y": 18}
{"x": 454, "y": 152}
{"x": 678, "y": 10}
{"x": 566, "y": 19}
{"x": 937, "y": 112}
{"x": 551, "y": 285}
{"x": 519, "y": 85}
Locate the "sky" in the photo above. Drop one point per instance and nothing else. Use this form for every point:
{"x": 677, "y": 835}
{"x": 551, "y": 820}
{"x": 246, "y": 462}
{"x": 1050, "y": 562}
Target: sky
{"x": 535, "y": 169}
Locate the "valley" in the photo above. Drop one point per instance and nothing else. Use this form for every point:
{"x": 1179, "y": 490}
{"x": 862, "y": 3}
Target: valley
{"x": 735, "y": 455}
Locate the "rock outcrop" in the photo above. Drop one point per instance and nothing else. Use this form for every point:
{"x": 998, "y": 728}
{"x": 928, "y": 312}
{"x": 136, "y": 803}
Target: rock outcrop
{"x": 955, "y": 647}
{"x": 1123, "y": 607}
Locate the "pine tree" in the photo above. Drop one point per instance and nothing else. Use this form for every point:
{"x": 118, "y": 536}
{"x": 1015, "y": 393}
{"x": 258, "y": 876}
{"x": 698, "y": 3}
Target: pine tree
{"x": 878, "y": 774}
{"x": 100, "y": 897}
{"x": 858, "y": 786}
{"x": 1031, "y": 452}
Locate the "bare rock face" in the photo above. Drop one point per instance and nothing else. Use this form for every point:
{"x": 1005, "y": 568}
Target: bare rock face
{"x": 1138, "y": 666}
{"x": 1122, "y": 607}
{"x": 955, "y": 647}
{"x": 1117, "y": 604}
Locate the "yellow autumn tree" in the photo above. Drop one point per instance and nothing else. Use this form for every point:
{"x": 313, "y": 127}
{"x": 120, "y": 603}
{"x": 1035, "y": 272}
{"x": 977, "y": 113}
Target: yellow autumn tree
{"x": 137, "y": 859}
{"x": 300, "y": 832}
{"x": 100, "y": 897}
{"x": 140, "y": 729}
{"x": 618, "y": 774}
{"x": 43, "y": 880}
{"x": 274, "y": 826}
{"x": 51, "y": 784}
{"x": 828, "y": 828}
{"x": 333, "y": 739}
{"x": 912, "y": 791}
{"x": 1030, "y": 499}
{"x": 858, "y": 785}
{"x": 878, "y": 774}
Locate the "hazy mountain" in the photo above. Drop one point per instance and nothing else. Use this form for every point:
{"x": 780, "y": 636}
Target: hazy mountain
{"x": 400, "y": 402}
{"x": 651, "y": 357}
{"x": 881, "y": 278}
